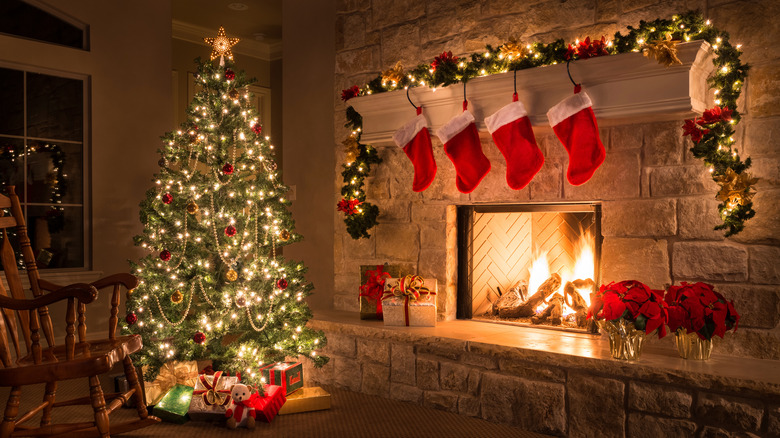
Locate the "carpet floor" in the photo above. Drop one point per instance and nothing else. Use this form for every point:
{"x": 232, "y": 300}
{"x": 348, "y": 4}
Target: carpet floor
{"x": 351, "y": 415}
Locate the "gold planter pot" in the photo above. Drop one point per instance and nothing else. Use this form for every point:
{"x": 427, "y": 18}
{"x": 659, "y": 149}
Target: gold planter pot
{"x": 625, "y": 341}
{"x": 691, "y": 346}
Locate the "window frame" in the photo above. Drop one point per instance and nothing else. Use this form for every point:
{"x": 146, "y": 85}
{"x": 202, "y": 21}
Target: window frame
{"x": 86, "y": 153}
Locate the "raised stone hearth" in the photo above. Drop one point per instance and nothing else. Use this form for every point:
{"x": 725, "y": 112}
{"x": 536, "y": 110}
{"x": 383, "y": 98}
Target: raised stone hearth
{"x": 539, "y": 380}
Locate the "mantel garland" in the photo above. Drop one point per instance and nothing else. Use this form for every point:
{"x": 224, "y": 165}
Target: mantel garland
{"x": 712, "y": 134}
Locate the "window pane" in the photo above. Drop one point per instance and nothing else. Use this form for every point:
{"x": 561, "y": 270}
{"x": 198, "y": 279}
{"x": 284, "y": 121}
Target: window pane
{"x": 24, "y": 20}
{"x": 54, "y": 173}
{"x": 12, "y": 165}
{"x": 55, "y": 107}
{"x": 11, "y": 102}
{"x": 57, "y": 236}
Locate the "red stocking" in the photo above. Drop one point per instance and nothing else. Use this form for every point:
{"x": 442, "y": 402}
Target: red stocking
{"x": 575, "y": 125}
{"x": 462, "y": 146}
{"x": 415, "y": 140}
{"x": 512, "y": 133}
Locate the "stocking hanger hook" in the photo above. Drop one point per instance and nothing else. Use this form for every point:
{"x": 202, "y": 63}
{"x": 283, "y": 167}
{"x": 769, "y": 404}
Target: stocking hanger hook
{"x": 577, "y": 87}
{"x": 409, "y": 98}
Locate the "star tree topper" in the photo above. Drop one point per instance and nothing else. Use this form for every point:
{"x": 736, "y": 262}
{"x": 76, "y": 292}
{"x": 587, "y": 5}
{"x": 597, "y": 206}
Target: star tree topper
{"x": 220, "y": 46}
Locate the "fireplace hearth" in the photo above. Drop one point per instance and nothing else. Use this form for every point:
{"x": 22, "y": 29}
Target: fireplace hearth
{"x": 529, "y": 264}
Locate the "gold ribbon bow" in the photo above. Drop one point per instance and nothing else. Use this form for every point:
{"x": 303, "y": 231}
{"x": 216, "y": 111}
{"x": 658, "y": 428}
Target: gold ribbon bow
{"x": 211, "y": 395}
{"x": 512, "y": 49}
{"x": 351, "y": 148}
{"x": 394, "y": 75}
{"x": 409, "y": 286}
{"x": 664, "y": 51}
{"x": 171, "y": 374}
{"x": 736, "y": 188}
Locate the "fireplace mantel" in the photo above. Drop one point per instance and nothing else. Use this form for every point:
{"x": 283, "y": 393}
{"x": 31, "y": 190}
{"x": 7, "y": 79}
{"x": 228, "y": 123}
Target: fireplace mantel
{"x": 622, "y": 87}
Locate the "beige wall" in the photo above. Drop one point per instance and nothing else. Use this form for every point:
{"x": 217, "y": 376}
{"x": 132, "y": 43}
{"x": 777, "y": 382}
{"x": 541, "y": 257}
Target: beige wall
{"x": 309, "y": 50}
{"x": 129, "y": 66}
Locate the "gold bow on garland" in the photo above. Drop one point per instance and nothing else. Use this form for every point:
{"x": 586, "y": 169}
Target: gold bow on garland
{"x": 394, "y": 75}
{"x": 211, "y": 395}
{"x": 736, "y": 188}
{"x": 351, "y": 148}
{"x": 664, "y": 51}
{"x": 409, "y": 287}
{"x": 512, "y": 49}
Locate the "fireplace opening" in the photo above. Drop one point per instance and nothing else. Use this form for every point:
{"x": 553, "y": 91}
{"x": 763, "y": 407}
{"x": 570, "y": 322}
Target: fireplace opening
{"x": 529, "y": 264}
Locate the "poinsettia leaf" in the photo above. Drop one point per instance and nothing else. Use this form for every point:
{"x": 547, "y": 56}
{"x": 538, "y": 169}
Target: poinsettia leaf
{"x": 640, "y": 322}
{"x": 707, "y": 330}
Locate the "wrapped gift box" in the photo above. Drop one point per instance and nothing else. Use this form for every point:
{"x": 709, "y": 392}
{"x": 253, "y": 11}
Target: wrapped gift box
{"x": 211, "y": 397}
{"x": 288, "y": 375}
{"x": 403, "y": 311}
{"x": 268, "y": 405}
{"x": 369, "y": 297}
{"x": 171, "y": 374}
{"x": 306, "y": 400}
{"x": 174, "y": 405}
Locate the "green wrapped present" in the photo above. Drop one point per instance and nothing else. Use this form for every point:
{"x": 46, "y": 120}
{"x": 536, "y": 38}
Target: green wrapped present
{"x": 174, "y": 405}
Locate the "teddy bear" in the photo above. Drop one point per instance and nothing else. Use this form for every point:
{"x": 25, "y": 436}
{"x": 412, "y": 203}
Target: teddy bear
{"x": 241, "y": 410}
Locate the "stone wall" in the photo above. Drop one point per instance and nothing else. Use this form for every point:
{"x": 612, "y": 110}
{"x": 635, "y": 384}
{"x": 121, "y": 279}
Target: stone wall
{"x": 546, "y": 392}
{"x": 658, "y": 201}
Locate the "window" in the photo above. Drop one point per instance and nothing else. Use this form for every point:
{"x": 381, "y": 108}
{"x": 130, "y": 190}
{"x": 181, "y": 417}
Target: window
{"x": 42, "y": 153}
{"x": 30, "y": 19}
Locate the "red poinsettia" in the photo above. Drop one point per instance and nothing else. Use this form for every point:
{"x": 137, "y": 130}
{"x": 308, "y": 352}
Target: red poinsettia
{"x": 633, "y": 301}
{"x": 444, "y": 58}
{"x": 714, "y": 115}
{"x": 350, "y": 92}
{"x": 348, "y": 206}
{"x": 691, "y": 127}
{"x": 699, "y": 309}
{"x": 587, "y": 49}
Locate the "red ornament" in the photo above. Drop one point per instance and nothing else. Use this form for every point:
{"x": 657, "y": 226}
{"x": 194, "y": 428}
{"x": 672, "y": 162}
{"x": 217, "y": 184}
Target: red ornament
{"x": 199, "y": 338}
{"x": 165, "y": 255}
{"x": 167, "y": 198}
{"x": 229, "y": 74}
{"x": 230, "y": 231}
{"x": 131, "y": 318}
{"x": 281, "y": 284}
{"x": 257, "y": 128}
{"x": 227, "y": 169}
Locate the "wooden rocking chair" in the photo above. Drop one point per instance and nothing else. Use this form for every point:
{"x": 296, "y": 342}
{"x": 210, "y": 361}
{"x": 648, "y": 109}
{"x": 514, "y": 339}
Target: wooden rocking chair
{"x": 82, "y": 359}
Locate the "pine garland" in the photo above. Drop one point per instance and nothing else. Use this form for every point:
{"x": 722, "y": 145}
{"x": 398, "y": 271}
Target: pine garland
{"x": 713, "y": 143}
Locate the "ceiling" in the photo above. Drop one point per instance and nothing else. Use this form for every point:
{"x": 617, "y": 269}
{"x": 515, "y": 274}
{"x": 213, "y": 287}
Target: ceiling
{"x": 257, "y": 23}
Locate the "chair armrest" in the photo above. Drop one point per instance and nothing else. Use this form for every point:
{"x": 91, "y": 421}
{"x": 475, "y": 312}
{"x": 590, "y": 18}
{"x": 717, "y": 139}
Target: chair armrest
{"x": 83, "y": 292}
{"x": 127, "y": 280}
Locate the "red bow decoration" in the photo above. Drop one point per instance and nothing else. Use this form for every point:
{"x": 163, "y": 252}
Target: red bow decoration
{"x": 375, "y": 286}
{"x": 411, "y": 287}
{"x": 211, "y": 395}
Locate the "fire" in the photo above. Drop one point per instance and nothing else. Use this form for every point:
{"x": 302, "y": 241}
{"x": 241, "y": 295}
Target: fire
{"x": 584, "y": 268}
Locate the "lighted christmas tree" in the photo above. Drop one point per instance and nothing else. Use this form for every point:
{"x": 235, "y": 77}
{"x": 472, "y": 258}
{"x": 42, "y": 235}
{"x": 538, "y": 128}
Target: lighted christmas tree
{"x": 213, "y": 285}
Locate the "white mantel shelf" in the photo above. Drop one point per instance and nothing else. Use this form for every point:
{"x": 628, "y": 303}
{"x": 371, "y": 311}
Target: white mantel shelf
{"x": 624, "y": 88}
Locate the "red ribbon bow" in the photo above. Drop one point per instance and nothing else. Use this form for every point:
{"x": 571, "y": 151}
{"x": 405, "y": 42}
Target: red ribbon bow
{"x": 211, "y": 395}
{"x": 375, "y": 286}
{"x": 411, "y": 287}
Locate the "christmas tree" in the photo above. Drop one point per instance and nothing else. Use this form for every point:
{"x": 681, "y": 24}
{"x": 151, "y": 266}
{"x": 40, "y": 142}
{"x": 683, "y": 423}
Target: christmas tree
{"x": 214, "y": 285}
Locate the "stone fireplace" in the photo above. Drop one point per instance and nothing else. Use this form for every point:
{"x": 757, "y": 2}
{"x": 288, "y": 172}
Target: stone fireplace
{"x": 657, "y": 213}
{"x": 519, "y": 263}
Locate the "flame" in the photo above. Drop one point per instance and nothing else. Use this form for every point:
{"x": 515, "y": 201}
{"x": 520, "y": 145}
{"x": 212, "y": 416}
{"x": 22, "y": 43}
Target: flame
{"x": 540, "y": 271}
{"x": 584, "y": 268}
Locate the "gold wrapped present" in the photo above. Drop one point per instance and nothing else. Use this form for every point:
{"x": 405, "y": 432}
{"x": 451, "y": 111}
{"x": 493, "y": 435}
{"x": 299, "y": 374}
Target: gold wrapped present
{"x": 410, "y": 301}
{"x": 171, "y": 374}
{"x": 211, "y": 397}
{"x": 306, "y": 400}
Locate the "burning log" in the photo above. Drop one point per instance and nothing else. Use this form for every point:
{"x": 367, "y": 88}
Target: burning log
{"x": 553, "y": 313}
{"x": 512, "y": 298}
{"x": 574, "y": 300}
{"x": 528, "y": 308}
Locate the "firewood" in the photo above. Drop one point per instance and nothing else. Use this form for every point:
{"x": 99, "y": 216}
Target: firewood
{"x": 553, "y": 313}
{"x": 574, "y": 299}
{"x": 528, "y": 308}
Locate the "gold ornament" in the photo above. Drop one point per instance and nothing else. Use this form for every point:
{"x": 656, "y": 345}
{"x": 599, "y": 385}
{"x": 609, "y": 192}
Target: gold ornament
{"x": 220, "y": 46}
{"x": 233, "y": 94}
{"x": 351, "y": 148}
{"x": 192, "y": 208}
{"x": 284, "y": 236}
{"x": 177, "y": 297}
{"x": 512, "y": 49}
{"x": 231, "y": 275}
{"x": 394, "y": 75}
{"x": 736, "y": 188}
{"x": 664, "y": 51}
